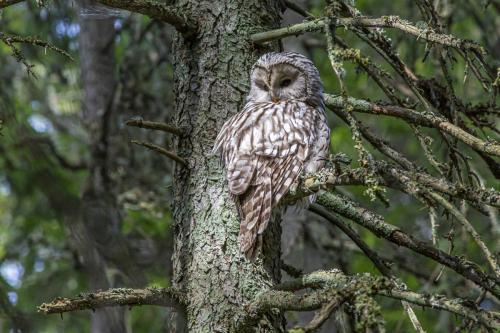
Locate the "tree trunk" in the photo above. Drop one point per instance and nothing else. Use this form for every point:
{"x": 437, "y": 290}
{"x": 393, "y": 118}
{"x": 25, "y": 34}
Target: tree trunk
{"x": 100, "y": 217}
{"x": 211, "y": 81}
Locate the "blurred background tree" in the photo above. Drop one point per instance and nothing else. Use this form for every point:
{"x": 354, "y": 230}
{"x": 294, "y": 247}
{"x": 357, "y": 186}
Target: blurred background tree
{"x": 66, "y": 162}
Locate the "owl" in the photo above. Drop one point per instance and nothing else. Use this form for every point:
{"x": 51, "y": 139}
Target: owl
{"x": 281, "y": 132}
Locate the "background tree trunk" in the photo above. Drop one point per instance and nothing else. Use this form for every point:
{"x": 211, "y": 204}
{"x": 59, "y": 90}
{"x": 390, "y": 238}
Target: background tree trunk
{"x": 211, "y": 78}
{"x": 99, "y": 212}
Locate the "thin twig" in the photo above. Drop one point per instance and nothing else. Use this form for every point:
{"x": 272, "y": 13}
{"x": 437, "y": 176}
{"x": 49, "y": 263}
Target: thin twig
{"x": 298, "y": 9}
{"x": 162, "y": 151}
{"x": 470, "y": 229}
{"x": 8, "y": 39}
{"x": 154, "y": 125}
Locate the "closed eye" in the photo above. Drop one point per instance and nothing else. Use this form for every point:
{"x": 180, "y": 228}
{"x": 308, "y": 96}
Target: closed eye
{"x": 262, "y": 85}
{"x": 285, "y": 83}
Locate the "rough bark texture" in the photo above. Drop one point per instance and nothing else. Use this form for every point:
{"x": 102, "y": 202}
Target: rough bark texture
{"x": 211, "y": 80}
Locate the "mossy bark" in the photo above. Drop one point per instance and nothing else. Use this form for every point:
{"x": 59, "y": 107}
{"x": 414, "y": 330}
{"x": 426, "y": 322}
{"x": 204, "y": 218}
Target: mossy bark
{"x": 211, "y": 81}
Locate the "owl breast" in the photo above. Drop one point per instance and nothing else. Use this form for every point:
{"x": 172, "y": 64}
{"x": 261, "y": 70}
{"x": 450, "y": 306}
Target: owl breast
{"x": 264, "y": 149}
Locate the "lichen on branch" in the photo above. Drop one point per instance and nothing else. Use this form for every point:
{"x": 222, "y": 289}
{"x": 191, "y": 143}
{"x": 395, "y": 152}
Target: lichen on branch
{"x": 114, "y": 297}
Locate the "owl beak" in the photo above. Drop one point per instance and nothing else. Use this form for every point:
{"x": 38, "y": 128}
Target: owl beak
{"x": 274, "y": 98}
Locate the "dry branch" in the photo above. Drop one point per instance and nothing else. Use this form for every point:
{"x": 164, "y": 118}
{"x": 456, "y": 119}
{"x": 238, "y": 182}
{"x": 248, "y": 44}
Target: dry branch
{"x": 154, "y": 125}
{"x": 158, "y": 11}
{"x": 8, "y": 39}
{"x": 114, "y": 297}
{"x": 162, "y": 151}
{"x": 383, "y": 22}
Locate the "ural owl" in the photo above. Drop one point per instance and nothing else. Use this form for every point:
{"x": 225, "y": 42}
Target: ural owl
{"x": 281, "y": 131}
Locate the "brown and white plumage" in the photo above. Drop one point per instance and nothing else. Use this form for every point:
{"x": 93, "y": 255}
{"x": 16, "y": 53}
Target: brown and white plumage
{"x": 281, "y": 131}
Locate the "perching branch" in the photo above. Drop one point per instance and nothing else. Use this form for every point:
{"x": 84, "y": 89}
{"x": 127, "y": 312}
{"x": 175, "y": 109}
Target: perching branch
{"x": 158, "y": 11}
{"x": 383, "y": 22}
{"x": 154, "y": 125}
{"x": 162, "y": 151}
{"x": 393, "y": 177}
{"x": 114, "y": 297}
{"x": 416, "y": 118}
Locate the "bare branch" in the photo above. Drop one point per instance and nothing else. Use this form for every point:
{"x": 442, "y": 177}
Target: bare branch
{"x": 162, "y": 151}
{"x": 298, "y": 9}
{"x": 154, "y": 125}
{"x": 114, "y": 297}
{"x": 158, "y": 11}
{"x": 7, "y": 39}
{"x": 383, "y": 22}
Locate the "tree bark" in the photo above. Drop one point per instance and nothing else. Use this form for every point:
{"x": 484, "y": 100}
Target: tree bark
{"x": 211, "y": 81}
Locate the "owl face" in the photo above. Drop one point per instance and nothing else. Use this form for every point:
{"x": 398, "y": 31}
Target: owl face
{"x": 285, "y": 76}
{"x": 280, "y": 82}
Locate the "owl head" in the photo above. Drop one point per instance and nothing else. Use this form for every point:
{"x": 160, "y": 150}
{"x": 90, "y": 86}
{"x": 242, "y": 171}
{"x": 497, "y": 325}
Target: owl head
{"x": 284, "y": 76}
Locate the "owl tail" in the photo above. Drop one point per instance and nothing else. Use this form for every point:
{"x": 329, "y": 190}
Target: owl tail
{"x": 256, "y": 206}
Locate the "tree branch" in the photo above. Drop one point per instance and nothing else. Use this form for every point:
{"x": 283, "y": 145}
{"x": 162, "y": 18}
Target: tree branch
{"x": 335, "y": 287}
{"x": 376, "y": 224}
{"x": 158, "y": 11}
{"x": 162, "y": 151}
{"x": 114, "y": 297}
{"x": 380, "y": 264}
{"x": 154, "y": 125}
{"x": 393, "y": 177}
{"x": 338, "y": 291}
{"x": 298, "y": 9}
{"x": 416, "y": 118}
{"x": 7, "y": 3}
{"x": 470, "y": 229}
{"x": 383, "y": 22}
{"x": 8, "y": 40}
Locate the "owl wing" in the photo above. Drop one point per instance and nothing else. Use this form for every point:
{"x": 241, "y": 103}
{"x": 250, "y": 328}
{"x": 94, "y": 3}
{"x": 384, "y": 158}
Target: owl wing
{"x": 264, "y": 148}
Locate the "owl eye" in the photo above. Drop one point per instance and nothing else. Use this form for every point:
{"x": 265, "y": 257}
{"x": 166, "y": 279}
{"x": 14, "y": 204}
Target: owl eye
{"x": 285, "y": 83}
{"x": 261, "y": 85}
